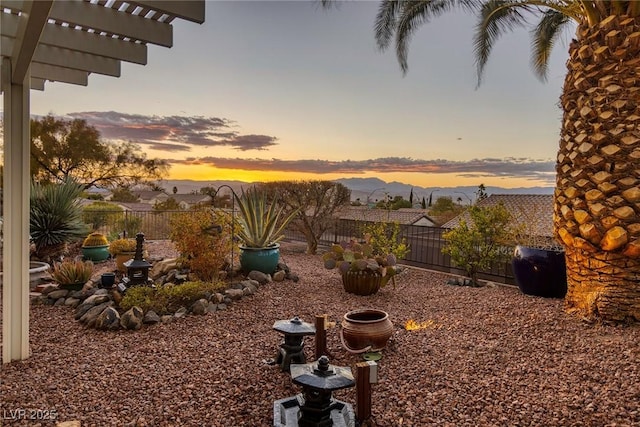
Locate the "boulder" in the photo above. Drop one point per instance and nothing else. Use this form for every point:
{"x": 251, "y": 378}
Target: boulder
{"x": 200, "y": 307}
{"x": 72, "y": 302}
{"x": 234, "y": 294}
{"x": 97, "y": 299}
{"x": 279, "y": 276}
{"x": 89, "y": 318}
{"x": 180, "y": 313}
{"x": 109, "y": 319}
{"x": 259, "y": 276}
{"x": 132, "y": 318}
{"x": 161, "y": 268}
{"x": 150, "y": 318}
{"x": 60, "y": 293}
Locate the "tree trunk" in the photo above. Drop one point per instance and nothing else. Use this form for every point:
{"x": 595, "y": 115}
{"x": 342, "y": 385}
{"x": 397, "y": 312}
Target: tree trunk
{"x": 597, "y": 196}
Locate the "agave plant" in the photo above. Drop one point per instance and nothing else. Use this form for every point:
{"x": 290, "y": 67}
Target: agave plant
{"x": 55, "y": 218}
{"x": 260, "y": 222}
{"x": 72, "y": 272}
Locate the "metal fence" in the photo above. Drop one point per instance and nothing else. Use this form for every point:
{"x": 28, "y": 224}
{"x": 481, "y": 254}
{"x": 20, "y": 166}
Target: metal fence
{"x": 425, "y": 243}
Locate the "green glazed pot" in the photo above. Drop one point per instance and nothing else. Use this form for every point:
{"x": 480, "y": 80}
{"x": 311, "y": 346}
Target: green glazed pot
{"x": 260, "y": 259}
{"x": 95, "y": 253}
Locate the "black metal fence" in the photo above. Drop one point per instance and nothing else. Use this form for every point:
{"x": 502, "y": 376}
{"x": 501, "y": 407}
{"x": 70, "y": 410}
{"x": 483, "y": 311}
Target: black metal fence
{"x": 425, "y": 243}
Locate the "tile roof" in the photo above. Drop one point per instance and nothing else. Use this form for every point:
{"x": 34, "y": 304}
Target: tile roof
{"x": 405, "y": 216}
{"x": 535, "y": 211}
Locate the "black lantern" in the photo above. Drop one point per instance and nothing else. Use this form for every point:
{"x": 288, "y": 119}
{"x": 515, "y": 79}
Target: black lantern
{"x": 292, "y": 350}
{"x": 138, "y": 268}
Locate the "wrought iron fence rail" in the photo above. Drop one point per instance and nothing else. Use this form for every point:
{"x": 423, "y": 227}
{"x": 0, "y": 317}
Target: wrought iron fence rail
{"x": 425, "y": 243}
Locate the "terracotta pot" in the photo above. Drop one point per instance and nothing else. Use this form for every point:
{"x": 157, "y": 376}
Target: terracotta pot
{"x": 365, "y": 282}
{"x": 123, "y": 257}
{"x": 365, "y": 330}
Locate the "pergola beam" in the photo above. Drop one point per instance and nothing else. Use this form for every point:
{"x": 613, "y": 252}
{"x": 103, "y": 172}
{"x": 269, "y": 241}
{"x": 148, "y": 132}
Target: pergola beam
{"x": 189, "y": 10}
{"x": 32, "y": 22}
{"x": 82, "y": 41}
{"x": 59, "y": 74}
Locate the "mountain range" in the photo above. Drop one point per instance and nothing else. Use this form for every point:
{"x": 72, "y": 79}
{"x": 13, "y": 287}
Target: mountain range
{"x": 371, "y": 189}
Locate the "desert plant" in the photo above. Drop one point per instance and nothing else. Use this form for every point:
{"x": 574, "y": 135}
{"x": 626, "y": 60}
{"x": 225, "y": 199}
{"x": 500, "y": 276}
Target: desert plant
{"x": 72, "y": 272}
{"x": 204, "y": 241}
{"x": 384, "y": 238}
{"x": 101, "y": 214}
{"x": 168, "y": 298}
{"x": 356, "y": 256}
{"x": 486, "y": 240}
{"x": 260, "y": 222}
{"x": 95, "y": 239}
{"x": 55, "y": 218}
{"x": 119, "y": 246}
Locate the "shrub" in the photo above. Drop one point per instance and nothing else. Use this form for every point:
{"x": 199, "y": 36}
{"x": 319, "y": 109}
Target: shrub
{"x": 168, "y": 298}
{"x": 119, "y": 246}
{"x": 95, "y": 239}
{"x": 203, "y": 240}
{"x": 102, "y": 214}
{"x": 384, "y": 238}
{"x": 55, "y": 218}
{"x": 130, "y": 224}
{"x": 72, "y": 272}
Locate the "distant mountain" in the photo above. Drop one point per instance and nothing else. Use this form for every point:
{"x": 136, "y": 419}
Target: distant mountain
{"x": 373, "y": 188}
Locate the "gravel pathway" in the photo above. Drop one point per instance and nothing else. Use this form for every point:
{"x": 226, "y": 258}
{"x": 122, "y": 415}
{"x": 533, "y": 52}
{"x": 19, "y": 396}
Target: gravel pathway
{"x": 492, "y": 357}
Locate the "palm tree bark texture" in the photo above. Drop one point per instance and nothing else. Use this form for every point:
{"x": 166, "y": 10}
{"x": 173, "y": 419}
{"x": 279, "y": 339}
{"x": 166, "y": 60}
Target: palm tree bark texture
{"x": 597, "y": 196}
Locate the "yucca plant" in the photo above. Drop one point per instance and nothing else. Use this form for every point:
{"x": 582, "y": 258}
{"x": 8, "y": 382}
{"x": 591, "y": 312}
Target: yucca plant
{"x": 260, "y": 223}
{"x": 72, "y": 272}
{"x": 55, "y": 218}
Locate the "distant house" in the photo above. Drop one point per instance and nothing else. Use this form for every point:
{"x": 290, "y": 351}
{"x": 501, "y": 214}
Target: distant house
{"x": 187, "y": 201}
{"x": 150, "y": 197}
{"x": 403, "y": 216}
{"x": 532, "y": 213}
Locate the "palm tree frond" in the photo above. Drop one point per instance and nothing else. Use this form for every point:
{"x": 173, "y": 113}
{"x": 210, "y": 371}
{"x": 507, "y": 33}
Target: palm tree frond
{"x": 544, "y": 36}
{"x": 385, "y": 22}
{"x": 496, "y": 18}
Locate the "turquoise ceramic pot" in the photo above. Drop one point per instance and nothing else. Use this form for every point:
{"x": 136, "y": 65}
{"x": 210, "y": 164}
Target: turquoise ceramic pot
{"x": 95, "y": 253}
{"x": 260, "y": 259}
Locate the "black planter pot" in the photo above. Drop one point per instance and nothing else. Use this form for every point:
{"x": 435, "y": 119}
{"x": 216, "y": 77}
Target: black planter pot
{"x": 540, "y": 272}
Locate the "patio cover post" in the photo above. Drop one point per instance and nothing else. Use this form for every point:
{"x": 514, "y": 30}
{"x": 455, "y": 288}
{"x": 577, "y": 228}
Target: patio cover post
{"x": 15, "y": 279}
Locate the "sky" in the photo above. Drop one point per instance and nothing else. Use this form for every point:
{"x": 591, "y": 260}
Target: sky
{"x": 272, "y": 90}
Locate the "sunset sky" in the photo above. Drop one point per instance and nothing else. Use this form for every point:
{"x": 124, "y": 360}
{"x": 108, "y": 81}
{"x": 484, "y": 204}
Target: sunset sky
{"x": 287, "y": 90}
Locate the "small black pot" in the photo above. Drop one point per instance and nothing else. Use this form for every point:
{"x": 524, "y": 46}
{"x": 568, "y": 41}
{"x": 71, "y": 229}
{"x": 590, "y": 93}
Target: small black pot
{"x": 107, "y": 280}
{"x": 540, "y": 272}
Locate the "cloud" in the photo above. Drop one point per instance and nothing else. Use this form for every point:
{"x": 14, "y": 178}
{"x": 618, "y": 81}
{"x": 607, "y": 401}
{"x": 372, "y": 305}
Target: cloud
{"x": 172, "y": 133}
{"x": 507, "y": 167}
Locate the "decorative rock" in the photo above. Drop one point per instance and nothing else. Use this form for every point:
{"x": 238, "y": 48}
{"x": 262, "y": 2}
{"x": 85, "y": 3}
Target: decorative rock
{"x": 258, "y": 276}
{"x": 109, "y": 319}
{"x": 279, "y": 276}
{"x": 234, "y": 294}
{"x": 167, "y": 318}
{"x": 46, "y": 289}
{"x": 92, "y": 314}
{"x": 59, "y": 302}
{"x": 81, "y": 310}
{"x": 227, "y": 300}
{"x": 247, "y": 292}
{"x": 96, "y": 299}
{"x": 132, "y": 318}
{"x": 212, "y": 308}
{"x": 251, "y": 288}
{"x": 60, "y": 293}
{"x": 293, "y": 277}
{"x": 180, "y": 313}
{"x": 101, "y": 292}
{"x": 151, "y": 318}
{"x": 200, "y": 307}
{"x": 163, "y": 267}
{"x": 218, "y": 297}
{"x": 72, "y": 302}
{"x": 239, "y": 285}
{"x": 222, "y": 306}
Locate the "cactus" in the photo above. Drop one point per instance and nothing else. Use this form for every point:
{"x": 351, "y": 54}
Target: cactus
{"x": 95, "y": 239}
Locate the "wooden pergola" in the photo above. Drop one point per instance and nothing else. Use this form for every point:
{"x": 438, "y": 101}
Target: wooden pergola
{"x": 61, "y": 41}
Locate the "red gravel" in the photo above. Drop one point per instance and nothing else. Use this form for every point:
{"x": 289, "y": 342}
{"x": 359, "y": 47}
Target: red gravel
{"x": 495, "y": 357}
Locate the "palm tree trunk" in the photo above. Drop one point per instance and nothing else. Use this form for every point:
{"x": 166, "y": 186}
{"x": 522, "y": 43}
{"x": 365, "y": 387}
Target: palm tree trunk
{"x": 597, "y": 196}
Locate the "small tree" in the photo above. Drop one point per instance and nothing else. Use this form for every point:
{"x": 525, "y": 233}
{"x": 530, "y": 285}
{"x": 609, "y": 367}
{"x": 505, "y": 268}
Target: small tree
{"x": 316, "y": 202}
{"x": 123, "y": 194}
{"x": 170, "y": 204}
{"x": 476, "y": 246}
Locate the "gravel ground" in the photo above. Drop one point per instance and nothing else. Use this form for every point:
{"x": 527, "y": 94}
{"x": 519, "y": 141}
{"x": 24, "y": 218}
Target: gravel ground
{"x": 493, "y": 357}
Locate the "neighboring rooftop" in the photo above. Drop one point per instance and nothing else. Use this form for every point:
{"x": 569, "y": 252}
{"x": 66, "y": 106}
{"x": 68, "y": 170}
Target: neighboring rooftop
{"x": 404, "y": 216}
{"x": 534, "y": 212}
